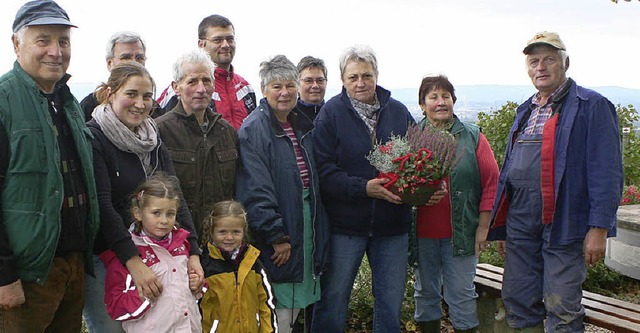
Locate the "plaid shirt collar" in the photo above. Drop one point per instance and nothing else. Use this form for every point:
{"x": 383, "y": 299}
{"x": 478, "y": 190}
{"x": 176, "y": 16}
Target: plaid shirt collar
{"x": 536, "y": 98}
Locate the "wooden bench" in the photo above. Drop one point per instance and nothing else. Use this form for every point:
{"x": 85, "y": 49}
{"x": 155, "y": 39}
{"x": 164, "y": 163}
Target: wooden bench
{"x": 601, "y": 311}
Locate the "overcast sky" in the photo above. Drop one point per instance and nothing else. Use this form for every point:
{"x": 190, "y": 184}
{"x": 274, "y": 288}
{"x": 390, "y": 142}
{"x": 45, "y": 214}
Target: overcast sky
{"x": 471, "y": 41}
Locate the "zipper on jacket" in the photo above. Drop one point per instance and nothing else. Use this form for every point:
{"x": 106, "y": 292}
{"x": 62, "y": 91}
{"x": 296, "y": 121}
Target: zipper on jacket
{"x": 453, "y": 243}
{"x": 53, "y": 105}
{"x": 201, "y": 183}
{"x": 313, "y": 213}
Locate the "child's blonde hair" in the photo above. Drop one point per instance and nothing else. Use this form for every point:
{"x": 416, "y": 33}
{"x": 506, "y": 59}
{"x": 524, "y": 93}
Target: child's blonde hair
{"x": 222, "y": 209}
{"x": 159, "y": 185}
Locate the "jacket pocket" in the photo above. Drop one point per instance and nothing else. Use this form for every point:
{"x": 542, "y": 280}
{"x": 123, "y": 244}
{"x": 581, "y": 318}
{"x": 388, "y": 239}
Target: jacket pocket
{"x": 227, "y": 155}
{"x": 184, "y": 162}
{"x": 29, "y": 151}
{"x": 227, "y": 159}
{"x": 29, "y": 234}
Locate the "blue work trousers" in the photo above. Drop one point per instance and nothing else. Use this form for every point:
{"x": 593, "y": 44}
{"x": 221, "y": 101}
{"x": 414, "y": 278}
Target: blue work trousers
{"x": 540, "y": 279}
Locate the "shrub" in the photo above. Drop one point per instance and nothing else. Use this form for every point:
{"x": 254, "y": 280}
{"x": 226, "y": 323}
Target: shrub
{"x": 628, "y": 116}
{"x": 360, "y": 317}
{"x": 630, "y": 195}
{"x": 495, "y": 127}
{"x": 491, "y": 256}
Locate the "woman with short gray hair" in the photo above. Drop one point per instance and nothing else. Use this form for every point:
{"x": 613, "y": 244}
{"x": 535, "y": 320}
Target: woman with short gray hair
{"x": 278, "y": 184}
{"x": 365, "y": 217}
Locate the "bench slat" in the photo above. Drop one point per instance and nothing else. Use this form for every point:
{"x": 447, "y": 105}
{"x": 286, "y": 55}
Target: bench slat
{"x": 610, "y": 322}
{"x": 611, "y": 310}
{"x": 491, "y": 268}
{"x": 490, "y": 276}
{"x": 495, "y": 287}
{"x": 612, "y": 301}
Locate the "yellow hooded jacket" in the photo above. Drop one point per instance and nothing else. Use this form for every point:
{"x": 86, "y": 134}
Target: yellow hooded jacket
{"x": 239, "y": 298}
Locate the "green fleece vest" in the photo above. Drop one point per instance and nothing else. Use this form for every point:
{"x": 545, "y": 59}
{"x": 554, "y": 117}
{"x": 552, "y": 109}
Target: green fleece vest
{"x": 33, "y": 192}
{"x": 465, "y": 188}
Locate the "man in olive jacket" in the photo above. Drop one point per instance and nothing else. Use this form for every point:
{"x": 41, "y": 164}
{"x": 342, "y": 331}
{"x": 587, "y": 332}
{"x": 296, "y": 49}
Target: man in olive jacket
{"x": 203, "y": 146}
{"x": 49, "y": 204}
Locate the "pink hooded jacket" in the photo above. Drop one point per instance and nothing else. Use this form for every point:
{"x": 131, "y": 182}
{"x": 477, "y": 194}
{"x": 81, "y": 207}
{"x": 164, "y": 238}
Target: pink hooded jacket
{"x": 175, "y": 310}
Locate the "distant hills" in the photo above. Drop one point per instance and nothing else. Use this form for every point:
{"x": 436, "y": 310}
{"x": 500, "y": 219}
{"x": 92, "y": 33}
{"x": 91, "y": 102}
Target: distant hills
{"x": 475, "y": 98}
{"x": 499, "y": 94}
{"x": 471, "y": 98}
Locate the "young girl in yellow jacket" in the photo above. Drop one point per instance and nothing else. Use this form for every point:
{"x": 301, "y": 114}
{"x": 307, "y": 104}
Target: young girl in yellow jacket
{"x": 238, "y": 297}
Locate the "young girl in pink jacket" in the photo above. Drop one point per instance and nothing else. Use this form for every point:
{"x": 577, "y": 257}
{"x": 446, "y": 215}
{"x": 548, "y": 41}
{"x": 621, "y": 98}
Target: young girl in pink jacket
{"x": 164, "y": 248}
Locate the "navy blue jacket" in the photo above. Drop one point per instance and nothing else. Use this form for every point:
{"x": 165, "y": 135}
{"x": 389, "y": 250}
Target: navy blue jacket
{"x": 342, "y": 142}
{"x": 268, "y": 184}
{"x": 588, "y": 173}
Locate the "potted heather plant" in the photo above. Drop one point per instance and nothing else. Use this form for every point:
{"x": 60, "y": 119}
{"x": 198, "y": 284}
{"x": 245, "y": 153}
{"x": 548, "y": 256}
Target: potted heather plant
{"x": 415, "y": 163}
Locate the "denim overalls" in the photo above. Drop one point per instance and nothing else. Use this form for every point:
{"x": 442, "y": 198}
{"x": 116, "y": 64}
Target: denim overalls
{"x": 536, "y": 270}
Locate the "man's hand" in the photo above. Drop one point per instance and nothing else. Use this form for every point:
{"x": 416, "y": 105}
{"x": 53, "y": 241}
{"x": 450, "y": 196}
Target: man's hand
{"x": 594, "y": 246}
{"x": 11, "y": 296}
{"x": 193, "y": 280}
{"x": 147, "y": 283}
{"x": 375, "y": 189}
{"x": 195, "y": 267}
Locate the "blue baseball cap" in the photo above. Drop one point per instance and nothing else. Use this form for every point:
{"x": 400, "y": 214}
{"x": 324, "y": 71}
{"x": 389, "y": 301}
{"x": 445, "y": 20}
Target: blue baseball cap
{"x": 41, "y": 12}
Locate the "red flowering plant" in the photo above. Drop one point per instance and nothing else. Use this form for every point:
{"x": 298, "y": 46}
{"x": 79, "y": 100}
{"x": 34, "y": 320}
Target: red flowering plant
{"x": 415, "y": 163}
{"x": 630, "y": 195}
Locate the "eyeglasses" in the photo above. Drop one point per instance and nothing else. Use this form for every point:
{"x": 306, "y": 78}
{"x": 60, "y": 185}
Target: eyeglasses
{"x": 311, "y": 80}
{"x": 219, "y": 40}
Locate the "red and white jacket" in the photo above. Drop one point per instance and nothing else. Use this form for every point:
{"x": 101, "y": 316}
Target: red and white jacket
{"x": 175, "y": 310}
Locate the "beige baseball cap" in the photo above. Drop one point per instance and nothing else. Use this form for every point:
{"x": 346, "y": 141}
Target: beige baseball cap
{"x": 545, "y": 37}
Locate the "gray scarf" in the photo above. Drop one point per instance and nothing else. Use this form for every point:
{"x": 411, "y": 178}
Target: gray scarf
{"x": 368, "y": 113}
{"x": 141, "y": 141}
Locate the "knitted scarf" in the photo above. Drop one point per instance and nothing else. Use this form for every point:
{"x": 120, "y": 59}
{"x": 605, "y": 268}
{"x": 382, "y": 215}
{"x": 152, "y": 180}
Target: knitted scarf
{"x": 141, "y": 141}
{"x": 368, "y": 113}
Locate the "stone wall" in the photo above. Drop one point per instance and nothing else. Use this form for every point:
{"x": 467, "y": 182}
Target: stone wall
{"x": 623, "y": 251}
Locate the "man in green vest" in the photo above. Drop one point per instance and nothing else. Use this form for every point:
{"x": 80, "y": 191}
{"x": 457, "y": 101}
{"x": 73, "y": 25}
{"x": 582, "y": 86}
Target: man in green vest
{"x": 49, "y": 204}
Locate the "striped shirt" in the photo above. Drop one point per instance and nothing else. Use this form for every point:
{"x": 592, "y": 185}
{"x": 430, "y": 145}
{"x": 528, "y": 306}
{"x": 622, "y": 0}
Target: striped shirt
{"x": 304, "y": 171}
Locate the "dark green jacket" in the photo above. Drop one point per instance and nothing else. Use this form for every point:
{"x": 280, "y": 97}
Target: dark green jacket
{"x": 465, "y": 188}
{"x": 205, "y": 161}
{"x": 33, "y": 191}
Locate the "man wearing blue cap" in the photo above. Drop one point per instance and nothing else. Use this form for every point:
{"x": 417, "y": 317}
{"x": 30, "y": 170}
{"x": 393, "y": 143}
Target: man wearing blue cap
{"x": 49, "y": 204}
